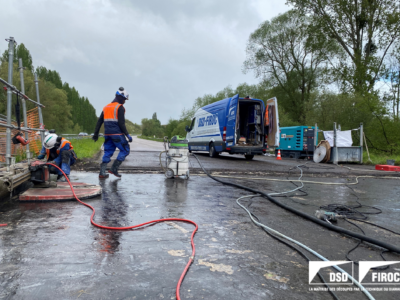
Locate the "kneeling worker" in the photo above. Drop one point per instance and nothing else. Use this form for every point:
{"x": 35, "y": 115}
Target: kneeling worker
{"x": 59, "y": 151}
{"x": 113, "y": 116}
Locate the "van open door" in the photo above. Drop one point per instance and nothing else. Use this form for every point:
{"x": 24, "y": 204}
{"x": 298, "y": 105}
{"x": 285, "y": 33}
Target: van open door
{"x": 271, "y": 123}
{"x": 231, "y": 122}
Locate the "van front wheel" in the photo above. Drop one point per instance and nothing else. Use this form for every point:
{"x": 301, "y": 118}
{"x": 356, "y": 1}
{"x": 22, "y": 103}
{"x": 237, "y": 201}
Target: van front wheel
{"x": 212, "y": 151}
{"x": 249, "y": 157}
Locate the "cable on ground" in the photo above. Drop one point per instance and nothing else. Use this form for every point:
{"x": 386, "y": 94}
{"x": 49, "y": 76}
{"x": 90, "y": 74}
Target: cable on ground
{"x": 308, "y": 217}
{"x": 307, "y": 181}
{"x": 191, "y": 258}
{"x": 291, "y": 247}
{"x": 301, "y": 245}
{"x": 318, "y": 182}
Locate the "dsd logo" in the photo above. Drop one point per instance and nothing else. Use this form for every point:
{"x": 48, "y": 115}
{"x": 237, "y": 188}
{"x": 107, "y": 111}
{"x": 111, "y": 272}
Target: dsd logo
{"x": 335, "y": 277}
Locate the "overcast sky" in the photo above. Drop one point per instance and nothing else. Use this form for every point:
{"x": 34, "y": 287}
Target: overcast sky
{"x": 165, "y": 53}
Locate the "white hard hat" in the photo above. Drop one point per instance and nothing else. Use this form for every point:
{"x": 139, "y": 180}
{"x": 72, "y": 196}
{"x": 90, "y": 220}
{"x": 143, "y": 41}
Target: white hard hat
{"x": 50, "y": 141}
{"x": 122, "y": 92}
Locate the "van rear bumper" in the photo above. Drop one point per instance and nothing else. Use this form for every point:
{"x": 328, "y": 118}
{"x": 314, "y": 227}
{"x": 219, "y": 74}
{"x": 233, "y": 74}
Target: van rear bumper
{"x": 246, "y": 150}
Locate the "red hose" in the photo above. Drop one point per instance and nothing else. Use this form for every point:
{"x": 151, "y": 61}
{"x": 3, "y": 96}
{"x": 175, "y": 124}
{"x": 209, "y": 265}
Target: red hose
{"x": 191, "y": 258}
{"x": 3, "y": 225}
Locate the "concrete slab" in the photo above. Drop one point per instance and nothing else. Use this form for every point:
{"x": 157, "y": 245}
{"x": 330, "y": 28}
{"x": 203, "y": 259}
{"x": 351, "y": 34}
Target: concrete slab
{"x": 51, "y": 251}
{"x": 62, "y": 192}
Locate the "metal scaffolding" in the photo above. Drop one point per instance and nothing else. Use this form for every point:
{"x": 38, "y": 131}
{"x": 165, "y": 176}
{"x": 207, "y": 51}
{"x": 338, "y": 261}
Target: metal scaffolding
{"x": 11, "y": 89}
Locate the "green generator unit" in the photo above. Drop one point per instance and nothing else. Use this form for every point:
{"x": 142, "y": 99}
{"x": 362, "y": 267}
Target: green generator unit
{"x": 296, "y": 142}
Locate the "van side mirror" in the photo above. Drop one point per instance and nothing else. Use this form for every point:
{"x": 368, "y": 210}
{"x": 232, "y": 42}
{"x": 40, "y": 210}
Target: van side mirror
{"x": 187, "y": 129}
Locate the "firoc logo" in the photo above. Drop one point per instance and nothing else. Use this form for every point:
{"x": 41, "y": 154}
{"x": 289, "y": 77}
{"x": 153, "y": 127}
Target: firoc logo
{"x": 376, "y": 277}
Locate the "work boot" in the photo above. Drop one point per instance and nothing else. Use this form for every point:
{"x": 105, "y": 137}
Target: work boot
{"x": 63, "y": 179}
{"x": 103, "y": 169}
{"x": 115, "y": 167}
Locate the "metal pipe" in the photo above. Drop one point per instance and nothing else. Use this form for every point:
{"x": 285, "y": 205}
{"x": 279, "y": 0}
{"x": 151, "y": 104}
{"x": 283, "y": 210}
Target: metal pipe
{"x": 39, "y": 108}
{"x": 21, "y": 74}
{"x": 361, "y": 141}
{"x": 16, "y": 91}
{"x": 9, "y": 100}
{"x": 22, "y": 128}
{"x": 315, "y": 136}
{"x": 335, "y": 158}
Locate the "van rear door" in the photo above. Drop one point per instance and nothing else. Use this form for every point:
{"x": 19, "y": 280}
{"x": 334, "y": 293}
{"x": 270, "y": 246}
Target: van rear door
{"x": 271, "y": 119}
{"x": 231, "y": 122}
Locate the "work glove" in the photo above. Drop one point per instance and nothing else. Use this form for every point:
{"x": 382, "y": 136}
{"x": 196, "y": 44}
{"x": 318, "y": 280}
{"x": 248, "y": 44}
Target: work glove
{"x": 40, "y": 156}
{"x": 129, "y": 138}
{"x": 95, "y": 138}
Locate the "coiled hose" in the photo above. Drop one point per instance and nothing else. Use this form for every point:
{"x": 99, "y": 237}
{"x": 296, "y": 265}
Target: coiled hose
{"x": 191, "y": 258}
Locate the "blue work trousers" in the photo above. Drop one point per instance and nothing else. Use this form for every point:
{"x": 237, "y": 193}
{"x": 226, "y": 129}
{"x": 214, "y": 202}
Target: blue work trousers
{"x": 112, "y": 142}
{"x": 64, "y": 163}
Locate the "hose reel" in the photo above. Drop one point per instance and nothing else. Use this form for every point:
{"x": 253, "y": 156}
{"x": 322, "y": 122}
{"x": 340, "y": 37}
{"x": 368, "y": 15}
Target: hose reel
{"x": 322, "y": 153}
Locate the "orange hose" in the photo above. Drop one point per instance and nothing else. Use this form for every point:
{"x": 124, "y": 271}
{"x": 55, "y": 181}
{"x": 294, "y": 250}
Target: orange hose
{"x": 191, "y": 258}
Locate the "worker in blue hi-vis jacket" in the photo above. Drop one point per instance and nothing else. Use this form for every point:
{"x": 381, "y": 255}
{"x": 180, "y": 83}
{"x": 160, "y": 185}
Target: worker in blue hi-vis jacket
{"x": 59, "y": 152}
{"x": 113, "y": 117}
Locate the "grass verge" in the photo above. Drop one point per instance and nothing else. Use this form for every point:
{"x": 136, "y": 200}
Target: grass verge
{"x": 86, "y": 148}
{"x": 150, "y": 138}
{"x": 380, "y": 159}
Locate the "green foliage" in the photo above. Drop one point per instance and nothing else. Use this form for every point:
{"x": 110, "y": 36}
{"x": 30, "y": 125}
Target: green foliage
{"x": 20, "y": 51}
{"x": 365, "y": 31}
{"x": 49, "y": 75}
{"x": 290, "y": 61}
{"x": 377, "y": 158}
{"x": 152, "y": 127}
{"x": 133, "y": 128}
{"x": 23, "y": 52}
{"x": 180, "y": 129}
{"x": 169, "y": 128}
{"x": 86, "y": 147}
{"x": 57, "y": 112}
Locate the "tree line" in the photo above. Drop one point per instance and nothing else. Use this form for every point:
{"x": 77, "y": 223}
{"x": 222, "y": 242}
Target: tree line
{"x": 326, "y": 61}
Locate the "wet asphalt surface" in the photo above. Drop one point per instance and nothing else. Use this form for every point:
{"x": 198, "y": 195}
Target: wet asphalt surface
{"x": 51, "y": 251}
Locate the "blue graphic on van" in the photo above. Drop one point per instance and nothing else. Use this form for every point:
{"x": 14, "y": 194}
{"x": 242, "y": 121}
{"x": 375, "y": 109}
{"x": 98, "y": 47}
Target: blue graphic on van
{"x": 208, "y": 121}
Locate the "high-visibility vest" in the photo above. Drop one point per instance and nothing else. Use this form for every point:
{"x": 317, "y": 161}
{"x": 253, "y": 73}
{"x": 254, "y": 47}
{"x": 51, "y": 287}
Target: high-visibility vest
{"x": 62, "y": 145}
{"x": 110, "y": 113}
